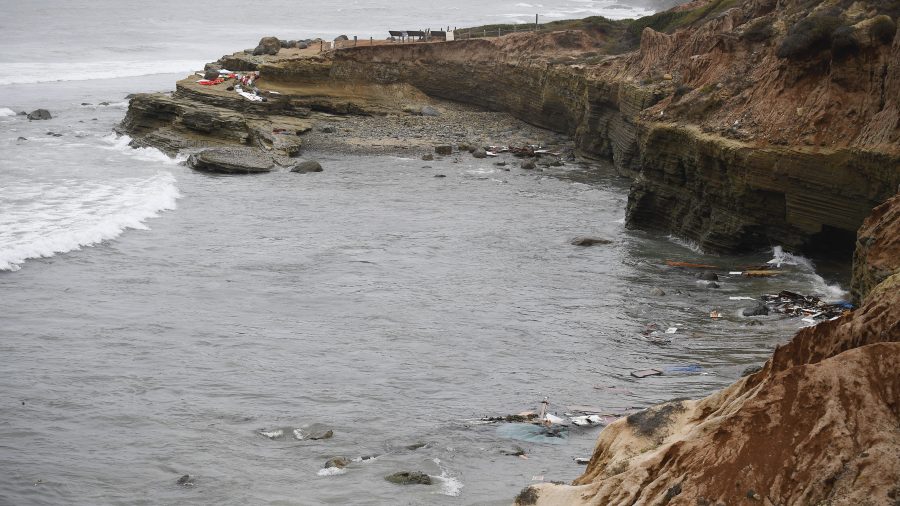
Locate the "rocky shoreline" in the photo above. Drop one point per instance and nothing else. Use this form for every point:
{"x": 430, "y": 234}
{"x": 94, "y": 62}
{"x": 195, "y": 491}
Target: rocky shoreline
{"x": 728, "y": 144}
{"x": 731, "y": 139}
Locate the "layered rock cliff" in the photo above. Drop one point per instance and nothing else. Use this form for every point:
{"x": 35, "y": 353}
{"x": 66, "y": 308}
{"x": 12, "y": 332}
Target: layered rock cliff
{"x": 819, "y": 424}
{"x": 729, "y": 144}
{"x": 743, "y": 123}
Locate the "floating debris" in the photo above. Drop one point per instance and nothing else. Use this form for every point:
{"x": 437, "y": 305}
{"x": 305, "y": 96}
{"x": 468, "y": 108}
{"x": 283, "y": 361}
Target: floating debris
{"x": 644, "y": 373}
{"x": 811, "y": 308}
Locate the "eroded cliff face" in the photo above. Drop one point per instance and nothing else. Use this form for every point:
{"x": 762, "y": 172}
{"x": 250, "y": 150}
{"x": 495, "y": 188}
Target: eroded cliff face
{"x": 729, "y": 144}
{"x": 819, "y": 424}
{"x": 877, "y": 255}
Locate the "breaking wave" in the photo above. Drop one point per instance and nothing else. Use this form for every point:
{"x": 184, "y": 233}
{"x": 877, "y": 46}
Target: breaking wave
{"x": 6, "y": 111}
{"x": 829, "y": 292}
{"x": 41, "y": 220}
{"x": 450, "y": 485}
{"x": 121, "y": 143}
{"x": 38, "y": 72}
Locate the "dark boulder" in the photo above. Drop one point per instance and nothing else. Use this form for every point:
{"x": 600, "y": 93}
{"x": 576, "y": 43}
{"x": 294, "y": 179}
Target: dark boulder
{"x": 302, "y": 44}
{"x": 428, "y": 157}
{"x": 443, "y": 149}
{"x": 39, "y": 114}
{"x": 231, "y": 161}
{"x": 287, "y": 43}
{"x": 341, "y": 37}
{"x": 708, "y": 276}
{"x": 307, "y": 166}
{"x": 186, "y": 481}
{"x": 528, "y": 165}
{"x": 267, "y": 45}
{"x": 589, "y": 241}
{"x": 759, "y": 309}
{"x": 479, "y": 153}
{"x": 409, "y": 478}
{"x": 657, "y": 291}
{"x": 712, "y": 284}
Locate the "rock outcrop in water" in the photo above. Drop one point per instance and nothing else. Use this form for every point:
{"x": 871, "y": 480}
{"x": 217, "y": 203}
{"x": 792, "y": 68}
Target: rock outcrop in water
{"x": 818, "y": 424}
{"x": 736, "y": 134}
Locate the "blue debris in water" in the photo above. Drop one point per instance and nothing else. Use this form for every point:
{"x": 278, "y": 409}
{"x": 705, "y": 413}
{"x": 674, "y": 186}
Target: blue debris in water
{"x": 533, "y": 433}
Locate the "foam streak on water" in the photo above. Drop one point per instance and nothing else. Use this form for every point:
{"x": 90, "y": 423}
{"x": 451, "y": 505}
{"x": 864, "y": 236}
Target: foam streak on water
{"x": 45, "y": 219}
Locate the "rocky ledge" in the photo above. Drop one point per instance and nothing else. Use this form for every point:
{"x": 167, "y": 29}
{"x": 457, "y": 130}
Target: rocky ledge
{"x": 819, "y": 424}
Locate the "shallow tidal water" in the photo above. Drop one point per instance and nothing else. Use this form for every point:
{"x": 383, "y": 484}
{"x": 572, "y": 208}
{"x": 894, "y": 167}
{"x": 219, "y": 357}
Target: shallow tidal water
{"x": 155, "y": 320}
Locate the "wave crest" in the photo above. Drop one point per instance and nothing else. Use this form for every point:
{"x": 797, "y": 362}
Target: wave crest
{"x": 45, "y": 219}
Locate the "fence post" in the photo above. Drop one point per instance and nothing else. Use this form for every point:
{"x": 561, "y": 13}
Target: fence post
{"x": 371, "y": 41}
{"x": 354, "y": 41}
{"x": 535, "y": 22}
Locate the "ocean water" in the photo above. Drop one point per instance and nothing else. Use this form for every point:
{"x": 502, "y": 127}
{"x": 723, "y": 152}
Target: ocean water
{"x": 156, "y": 321}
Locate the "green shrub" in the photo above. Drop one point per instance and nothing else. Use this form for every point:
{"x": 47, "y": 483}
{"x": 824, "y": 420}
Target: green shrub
{"x": 760, "y": 31}
{"x": 883, "y": 30}
{"x": 844, "y": 43}
{"x": 808, "y": 37}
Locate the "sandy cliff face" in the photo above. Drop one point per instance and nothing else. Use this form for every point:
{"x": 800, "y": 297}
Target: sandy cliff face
{"x": 820, "y": 424}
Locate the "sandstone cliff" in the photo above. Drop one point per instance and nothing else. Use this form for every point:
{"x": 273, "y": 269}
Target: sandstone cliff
{"x": 819, "y": 424}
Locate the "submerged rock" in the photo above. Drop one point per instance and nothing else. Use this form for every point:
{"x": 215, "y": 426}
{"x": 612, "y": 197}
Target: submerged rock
{"x": 708, "y": 276}
{"x": 759, "y": 309}
{"x": 589, "y": 241}
{"x": 409, "y": 478}
{"x": 231, "y": 161}
{"x": 39, "y": 114}
{"x": 186, "y": 481}
{"x": 338, "y": 462}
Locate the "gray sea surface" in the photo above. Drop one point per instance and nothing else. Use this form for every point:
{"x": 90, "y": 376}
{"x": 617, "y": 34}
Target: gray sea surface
{"x": 154, "y": 321}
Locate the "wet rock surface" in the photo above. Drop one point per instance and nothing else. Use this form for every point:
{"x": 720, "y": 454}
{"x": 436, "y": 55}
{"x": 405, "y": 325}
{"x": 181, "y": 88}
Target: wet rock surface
{"x": 39, "y": 114}
{"x": 307, "y": 166}
{"x": 409, "y": 478}
{"x": 232, "y": 161}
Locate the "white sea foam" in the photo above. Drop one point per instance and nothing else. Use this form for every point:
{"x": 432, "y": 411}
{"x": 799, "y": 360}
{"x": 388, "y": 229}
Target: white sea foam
{"x": 6, "y": 111}
{"x": 686, "y": 243}
{"x": 829, "y": 292}
{"x": 331, "y": 471}
{"x": 450, "y": 485}
{"x": 121, "y": 143}
{"x": 38, "y": 72}
{"x": 43, "y": 219}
